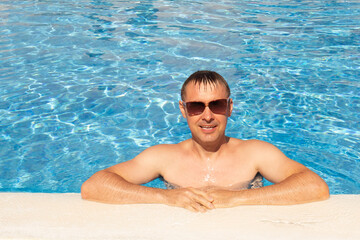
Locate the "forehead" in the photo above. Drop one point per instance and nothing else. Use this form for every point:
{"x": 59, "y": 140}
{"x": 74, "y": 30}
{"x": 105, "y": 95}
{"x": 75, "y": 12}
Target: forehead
{"x": 205, "y": 92}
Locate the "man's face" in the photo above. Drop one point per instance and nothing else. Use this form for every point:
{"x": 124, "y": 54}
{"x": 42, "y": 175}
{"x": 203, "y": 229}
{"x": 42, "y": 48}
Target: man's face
{"x": 206, "y": 127}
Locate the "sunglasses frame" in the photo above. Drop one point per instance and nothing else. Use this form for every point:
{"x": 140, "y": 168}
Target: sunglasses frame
{"x": 208, "y": 105}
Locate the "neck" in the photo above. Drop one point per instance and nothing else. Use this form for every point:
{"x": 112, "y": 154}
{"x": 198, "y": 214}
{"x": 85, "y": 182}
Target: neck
{"x": 209, "y": 150}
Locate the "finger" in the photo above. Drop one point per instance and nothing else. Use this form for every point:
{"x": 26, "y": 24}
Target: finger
{"x": 195, "y": 198}
{"x": 198, "y": 200}
{"x": 204, "y": 194}
{"x": 199, "y": 208}
{"x": 204, "y": 199}
{"x": 190, "y": 199}
{"x": 194, "y": 207}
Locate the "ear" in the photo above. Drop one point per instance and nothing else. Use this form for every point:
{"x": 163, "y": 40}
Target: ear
{"x": 182, "y": 109}
{"x": 231, "y": 103}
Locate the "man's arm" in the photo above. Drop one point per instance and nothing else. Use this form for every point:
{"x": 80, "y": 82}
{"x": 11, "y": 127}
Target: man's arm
{"x": 294, "y": 183}
{"x": 120, "y": 184}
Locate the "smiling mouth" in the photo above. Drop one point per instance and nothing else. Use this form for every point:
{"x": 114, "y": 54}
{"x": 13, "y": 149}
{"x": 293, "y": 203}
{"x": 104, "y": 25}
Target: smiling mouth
{"x": 207, "y": 127}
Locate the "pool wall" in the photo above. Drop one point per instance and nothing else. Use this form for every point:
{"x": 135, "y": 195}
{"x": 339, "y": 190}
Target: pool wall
{"x": 67, "y": 216}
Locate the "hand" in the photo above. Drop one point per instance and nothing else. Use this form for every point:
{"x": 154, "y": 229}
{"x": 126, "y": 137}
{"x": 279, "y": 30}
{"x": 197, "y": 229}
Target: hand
{"x": 222, "y": 198}
{"x": 193, "y": 199}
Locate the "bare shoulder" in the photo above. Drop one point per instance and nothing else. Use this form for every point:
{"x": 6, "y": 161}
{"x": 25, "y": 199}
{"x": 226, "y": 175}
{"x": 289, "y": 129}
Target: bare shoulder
{"x": 146, "y": 166}
{"x": 252, "y": 145}
{"x": 257, "y": 151}
{"x": 158, "y": 152}
{"x": 161, "y": 148}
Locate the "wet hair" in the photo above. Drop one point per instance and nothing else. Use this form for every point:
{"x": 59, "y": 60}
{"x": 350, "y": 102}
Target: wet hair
{"x": 205, "y": 78}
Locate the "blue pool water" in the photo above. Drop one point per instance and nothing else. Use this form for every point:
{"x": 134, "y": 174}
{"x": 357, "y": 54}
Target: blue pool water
{"x": 86, "y": 84}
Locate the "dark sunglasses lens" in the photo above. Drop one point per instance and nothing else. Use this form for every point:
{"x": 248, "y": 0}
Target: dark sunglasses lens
{"x": 195, "y": 108}
{"x": 218, "y": 106}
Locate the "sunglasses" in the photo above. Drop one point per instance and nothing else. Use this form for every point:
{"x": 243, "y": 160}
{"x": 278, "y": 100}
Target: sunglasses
{"x": 219, "y": 106}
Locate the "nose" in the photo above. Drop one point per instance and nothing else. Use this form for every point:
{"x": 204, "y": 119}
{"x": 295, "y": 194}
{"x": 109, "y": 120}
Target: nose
{"x": 208, "y": 115}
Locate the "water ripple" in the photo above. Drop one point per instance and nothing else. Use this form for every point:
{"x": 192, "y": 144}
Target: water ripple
{"x": 81, "y": 81}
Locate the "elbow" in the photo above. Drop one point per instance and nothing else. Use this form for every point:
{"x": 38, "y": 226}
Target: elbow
{"x": 314, "y": 187}
{"x": 325, "y": 192}
{"x": 85, "y": 190}
{"x": 321, "y": 190}
{"x": 89, "y": 188}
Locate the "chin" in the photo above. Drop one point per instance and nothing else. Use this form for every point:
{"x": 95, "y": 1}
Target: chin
{"x": 210, "y": 139}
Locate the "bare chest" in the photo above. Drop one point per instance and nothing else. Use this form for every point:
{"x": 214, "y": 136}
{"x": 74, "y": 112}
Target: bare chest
{"x": 227, "y": 173}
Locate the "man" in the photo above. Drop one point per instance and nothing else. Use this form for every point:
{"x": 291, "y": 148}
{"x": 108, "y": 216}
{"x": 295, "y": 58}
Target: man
{"x": 209, "y": 170}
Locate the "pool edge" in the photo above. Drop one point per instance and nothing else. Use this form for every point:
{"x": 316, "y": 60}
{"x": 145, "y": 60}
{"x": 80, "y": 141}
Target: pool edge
{"x": 67, "y": 216}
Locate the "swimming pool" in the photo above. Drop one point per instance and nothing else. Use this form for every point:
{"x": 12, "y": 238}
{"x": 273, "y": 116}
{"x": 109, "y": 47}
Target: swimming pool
{"x": 87, "y": 84}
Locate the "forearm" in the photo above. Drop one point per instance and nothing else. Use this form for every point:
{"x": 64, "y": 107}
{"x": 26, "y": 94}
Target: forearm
{"x": 296, "y": 189}
{"x": 108, "y": 187}
{"x": 299, "y": 188}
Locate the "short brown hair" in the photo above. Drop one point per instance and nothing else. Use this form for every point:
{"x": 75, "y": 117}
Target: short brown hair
{"x": 204, "y": 77}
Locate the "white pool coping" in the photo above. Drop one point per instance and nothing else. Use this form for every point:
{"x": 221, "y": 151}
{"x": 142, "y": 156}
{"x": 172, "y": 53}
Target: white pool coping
{"x": 67, "y": 216}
